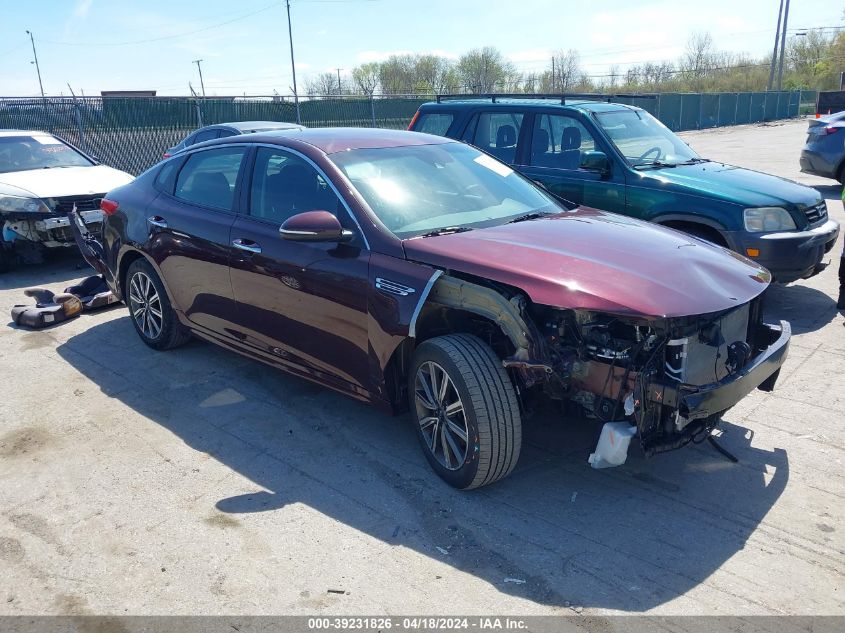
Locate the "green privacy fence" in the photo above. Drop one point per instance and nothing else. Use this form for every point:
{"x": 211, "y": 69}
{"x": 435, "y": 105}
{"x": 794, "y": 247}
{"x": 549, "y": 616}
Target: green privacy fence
{"x": 132, "y": 133}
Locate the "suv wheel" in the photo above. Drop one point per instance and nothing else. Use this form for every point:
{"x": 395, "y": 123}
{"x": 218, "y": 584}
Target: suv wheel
{"x": 151, "y": 312}
{"x": 465, "y": 411}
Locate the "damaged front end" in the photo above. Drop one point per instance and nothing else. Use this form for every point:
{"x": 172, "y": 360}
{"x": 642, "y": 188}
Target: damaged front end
{"x": 36, "y": 224}
{"x": 670, "y": 378}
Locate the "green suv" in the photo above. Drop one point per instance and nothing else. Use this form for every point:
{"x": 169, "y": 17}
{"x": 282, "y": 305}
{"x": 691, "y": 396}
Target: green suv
{"x": 620, "y": 158}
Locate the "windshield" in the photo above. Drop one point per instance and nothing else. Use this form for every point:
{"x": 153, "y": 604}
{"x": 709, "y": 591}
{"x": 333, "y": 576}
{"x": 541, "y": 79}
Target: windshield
{"x": 643, "y": 140}
{"x": 22, "y": 153}
{"x": 420, "y": 189}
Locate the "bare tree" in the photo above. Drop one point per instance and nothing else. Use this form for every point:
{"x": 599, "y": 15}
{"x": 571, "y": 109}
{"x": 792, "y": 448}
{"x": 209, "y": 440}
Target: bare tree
{"x": 698, "y": 59}
{"x": 613, "y": 77}
{"x": 432, "y": 73}
{"x": 366, "y": 77}
{"x": 566, "y": 70}
{"x": 396, "y": 74}
{"x": 323, "y": 85}
{"x": 482, "y": 69}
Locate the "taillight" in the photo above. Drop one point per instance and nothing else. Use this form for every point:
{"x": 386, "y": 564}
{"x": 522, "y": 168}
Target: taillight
{"x": 414, "y": 120}
{"x": 166, "y": 155}
{"x": 109, "y": 207}
{"x": 830, "y": 129}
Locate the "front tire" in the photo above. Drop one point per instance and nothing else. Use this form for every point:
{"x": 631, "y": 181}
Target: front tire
{"x": 152, "y": 315}
{"x": 465, "y": 411}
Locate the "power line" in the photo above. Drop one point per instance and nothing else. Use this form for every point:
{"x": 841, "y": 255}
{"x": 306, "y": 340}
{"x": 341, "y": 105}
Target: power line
{"x": 88, "y": 44}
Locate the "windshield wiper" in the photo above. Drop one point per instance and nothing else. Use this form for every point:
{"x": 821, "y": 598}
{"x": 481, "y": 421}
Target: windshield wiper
{"x": 446, "y": 230}
{"x": 655, "y": 164}
{"x": 528, "y": 216}
{"x": 694, "y": 161}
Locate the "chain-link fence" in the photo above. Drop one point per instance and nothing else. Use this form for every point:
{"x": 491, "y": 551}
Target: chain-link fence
{"x": 132, "y": 133}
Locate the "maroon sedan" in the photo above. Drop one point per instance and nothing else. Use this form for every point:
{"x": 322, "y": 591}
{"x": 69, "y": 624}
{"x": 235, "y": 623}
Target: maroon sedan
{"x": 414, "y": 272}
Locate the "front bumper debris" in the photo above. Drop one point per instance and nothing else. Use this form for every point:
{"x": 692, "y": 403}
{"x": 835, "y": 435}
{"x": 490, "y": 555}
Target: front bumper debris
{"x": 761, "y": 372}
{"x": 88, "y": 217}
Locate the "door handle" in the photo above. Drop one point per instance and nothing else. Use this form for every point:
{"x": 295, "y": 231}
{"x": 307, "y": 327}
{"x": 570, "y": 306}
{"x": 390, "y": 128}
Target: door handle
{"x": 246, "y": 245}
{"x": 157, "y": 220}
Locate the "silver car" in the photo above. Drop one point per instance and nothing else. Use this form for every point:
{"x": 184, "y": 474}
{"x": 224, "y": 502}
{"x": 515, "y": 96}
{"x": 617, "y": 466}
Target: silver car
{"x": 222, "y": 130}
{"x": 824, "y": 153}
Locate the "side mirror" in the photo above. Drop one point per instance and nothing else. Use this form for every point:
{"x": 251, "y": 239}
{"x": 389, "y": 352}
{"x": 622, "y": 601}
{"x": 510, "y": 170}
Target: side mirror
{"x": 595, "y": 161}
{"x": 314, "y": 226}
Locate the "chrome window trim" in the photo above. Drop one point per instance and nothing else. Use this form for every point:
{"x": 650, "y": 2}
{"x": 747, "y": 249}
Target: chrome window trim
{"x": 322, "y": 173}
{"x": 412, "y": 327}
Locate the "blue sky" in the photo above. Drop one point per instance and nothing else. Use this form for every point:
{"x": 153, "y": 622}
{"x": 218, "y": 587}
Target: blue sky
{"x": 127, "y": 44}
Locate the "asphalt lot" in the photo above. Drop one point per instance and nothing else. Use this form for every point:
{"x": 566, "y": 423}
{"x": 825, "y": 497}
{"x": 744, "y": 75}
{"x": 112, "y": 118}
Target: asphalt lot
{"x": 197, "y": 481}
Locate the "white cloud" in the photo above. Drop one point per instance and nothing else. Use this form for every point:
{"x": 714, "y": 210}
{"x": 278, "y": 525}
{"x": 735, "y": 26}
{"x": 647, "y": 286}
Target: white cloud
{"x": 365, "y": 57}
{"x": 82, "y": 8}
{"x": 531, "y": 55}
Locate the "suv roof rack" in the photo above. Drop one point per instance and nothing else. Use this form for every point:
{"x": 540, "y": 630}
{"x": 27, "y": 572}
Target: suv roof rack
{"x": 586, "y": 96}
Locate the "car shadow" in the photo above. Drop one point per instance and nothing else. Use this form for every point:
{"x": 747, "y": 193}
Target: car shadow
{"x": 807, "y": 309}
{"x": 58, "y": 267}
{"x": 629, "y": 538}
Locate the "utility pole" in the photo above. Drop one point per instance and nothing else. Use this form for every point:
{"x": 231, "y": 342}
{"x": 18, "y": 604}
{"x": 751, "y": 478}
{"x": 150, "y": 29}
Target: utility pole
{"x": 199, "y": 67}
{"x": 783, "y": 42}
{"x": 554, "y": 79}
{"x": 775, "y": 51}
{"x": 292, "y": 65}
{"x": 339, "y": 85}
{"x": 37, "y": 67}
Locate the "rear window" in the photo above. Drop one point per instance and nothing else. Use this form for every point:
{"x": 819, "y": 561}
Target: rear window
{"x": 434, "y": 123}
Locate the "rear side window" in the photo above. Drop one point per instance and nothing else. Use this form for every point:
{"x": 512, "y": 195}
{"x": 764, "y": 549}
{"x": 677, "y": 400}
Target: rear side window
{"x": 558, "y": 141}
{"x": 204, "y": 135}
{"x": 434, "y": 123}
{"x": 209, "y": 177}
{"x": 164, "y": 178}
{"x": 496, "y": 133}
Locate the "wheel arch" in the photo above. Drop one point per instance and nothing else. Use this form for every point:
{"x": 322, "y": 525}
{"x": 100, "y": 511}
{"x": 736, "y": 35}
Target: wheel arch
{"x": 695, "y": 225}
{"x": 455, "y": 305}
{"x": 126, "y": 259}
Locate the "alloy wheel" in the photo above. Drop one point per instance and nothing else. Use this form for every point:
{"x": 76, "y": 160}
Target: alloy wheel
{"x": 145, "y": 305}
{"x": 441, "y": 415}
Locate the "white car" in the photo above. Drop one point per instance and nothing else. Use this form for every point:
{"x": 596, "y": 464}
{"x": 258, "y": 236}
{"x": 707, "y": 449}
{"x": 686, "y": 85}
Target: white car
{"x": 41, "y": 179}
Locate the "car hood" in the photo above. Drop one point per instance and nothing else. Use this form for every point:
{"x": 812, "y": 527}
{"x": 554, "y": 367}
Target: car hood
{"x": 63, "y": 181}
{"x": 593, "y": 260}
{"x": 732, "y": 184}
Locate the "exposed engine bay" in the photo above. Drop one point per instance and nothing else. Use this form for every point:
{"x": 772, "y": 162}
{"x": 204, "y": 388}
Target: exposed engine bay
{"x": 671, "y": 378}
{"x": 616, "y": 368}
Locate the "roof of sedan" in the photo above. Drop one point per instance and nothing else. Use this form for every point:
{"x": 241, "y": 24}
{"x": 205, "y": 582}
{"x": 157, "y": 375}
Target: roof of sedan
{"x": 257, "y": 125}
{"x": 23, "y": 133}
{"x": 339, "y": 139}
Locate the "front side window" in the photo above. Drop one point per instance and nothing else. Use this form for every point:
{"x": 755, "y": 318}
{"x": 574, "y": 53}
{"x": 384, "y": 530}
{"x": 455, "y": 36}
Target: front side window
{"x": 558, "y": 141}
{"x": 643, "y": 140}
{"x": 41, "y": 151}
{"x": 284, "y": 184}
{"x": 434, "y": 123}
{"x": 208, "y": 177}
{"x": 497, "y": 133}
{"x": 418, "y": 189}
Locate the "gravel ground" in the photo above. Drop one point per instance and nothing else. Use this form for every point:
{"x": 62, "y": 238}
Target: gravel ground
{"x": 197, "y": 481}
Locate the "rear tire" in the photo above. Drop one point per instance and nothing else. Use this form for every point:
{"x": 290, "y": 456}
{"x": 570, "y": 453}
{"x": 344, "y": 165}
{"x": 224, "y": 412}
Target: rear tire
{"x": 152, "y": 315}
{"x": 470, "y": 429}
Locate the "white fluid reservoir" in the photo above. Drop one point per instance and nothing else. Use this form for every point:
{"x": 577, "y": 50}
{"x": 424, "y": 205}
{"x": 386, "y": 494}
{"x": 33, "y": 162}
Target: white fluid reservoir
{"x": 612, "y": 447}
